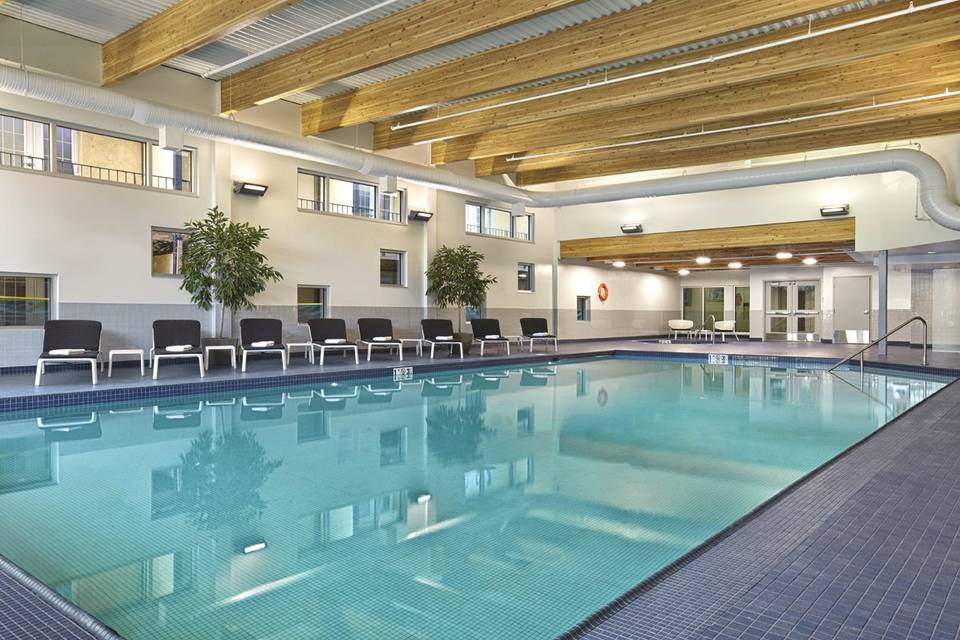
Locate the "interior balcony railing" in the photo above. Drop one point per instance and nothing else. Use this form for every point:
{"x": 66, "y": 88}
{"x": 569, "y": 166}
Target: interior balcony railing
{"x": 348, "y": 210}
{"x": 22, "y": 161}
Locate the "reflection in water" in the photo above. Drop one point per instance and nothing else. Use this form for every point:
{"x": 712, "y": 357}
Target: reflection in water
{"x": 221, "y": 478}
{"x": 504, "y": 504}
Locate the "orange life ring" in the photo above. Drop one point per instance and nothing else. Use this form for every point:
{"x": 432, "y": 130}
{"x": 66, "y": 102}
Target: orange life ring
{"x": 602, "y": 398}
{"x": 603, "y": 292}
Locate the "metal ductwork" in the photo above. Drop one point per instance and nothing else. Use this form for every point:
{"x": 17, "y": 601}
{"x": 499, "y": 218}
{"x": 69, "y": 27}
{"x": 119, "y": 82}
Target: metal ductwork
{"x": 936, "y": 198}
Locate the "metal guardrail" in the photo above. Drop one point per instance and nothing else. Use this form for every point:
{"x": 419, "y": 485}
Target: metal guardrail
{"x": 860, "y": 352}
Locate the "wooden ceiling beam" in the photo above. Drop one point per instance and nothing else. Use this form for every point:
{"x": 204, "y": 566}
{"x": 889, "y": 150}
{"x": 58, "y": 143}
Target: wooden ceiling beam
{"x": 811, "y": 91}
{"x": 842, "y": 53}
{"x": 620, "y": 36}
{"x": 750, "y": 237}
{"x": 181, "y": 28}
{"x": 909, "y": 128}
{"x": 423, "y": 27}
{"x": 725, "y": 254}
{"x": 796, "y": 261}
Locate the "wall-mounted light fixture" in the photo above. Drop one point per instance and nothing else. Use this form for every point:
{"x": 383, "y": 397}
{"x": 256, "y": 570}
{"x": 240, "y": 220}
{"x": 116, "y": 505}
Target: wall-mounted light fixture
{"x": 631, "y": 228}
{"x": 249, "y": 188}
{"x": 835, "y": 210}
{"x": 421, "y": 216}
{"x": 253, "y": 547}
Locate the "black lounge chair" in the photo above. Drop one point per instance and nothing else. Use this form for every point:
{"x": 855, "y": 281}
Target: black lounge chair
{"x": 255, "y": 333}
{"x": 439, "y": 332}
{"x": 487, "y": 331}
{"x": 331, "y": 333}
{"x": 175, "y": 339}
{"x": 70, "y": 341}
{"x": 534, "y": 329}
{"x": 378, "y": 332}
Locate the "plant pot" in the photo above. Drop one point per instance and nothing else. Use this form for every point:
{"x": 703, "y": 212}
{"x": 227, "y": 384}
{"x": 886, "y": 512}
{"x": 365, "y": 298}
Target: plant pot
{"x": 466, "y": 339}
{"x": 220, "y": 357}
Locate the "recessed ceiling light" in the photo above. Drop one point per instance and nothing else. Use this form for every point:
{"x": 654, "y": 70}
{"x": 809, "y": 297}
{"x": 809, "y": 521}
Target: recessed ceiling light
{"x": 735, "y": 265}
{"x": 810, "y": 261}
{"x": 684, "y": 272}
{"x": 703, "y": 260}
{"x": 619, "y": 264}
{"x": 784, "y": 255}
{"x": 930, "y": 253}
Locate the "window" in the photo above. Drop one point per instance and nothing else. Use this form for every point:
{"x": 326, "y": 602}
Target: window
{"x": 100, "y": 157}
{"x": 702, "y": 305}
{"x": 311, "y": 303}
{"x": 346, "y": 197}
{"x": 171, "y": 170}
{"x": 167, "y": 248}
{"x": 474, "y": 313}
{"x": 499, "y": 223}
{"x": 393, "y": 447}
{"x": 24, "y": 300}
{"x": 741, "y": 308}
{"x": 391, "y": 268}
{"x": 24, "y": 144}
{"x": 583, "y": 308}
{"x": 525, "y": 421}
{"x": 524, "y": 276}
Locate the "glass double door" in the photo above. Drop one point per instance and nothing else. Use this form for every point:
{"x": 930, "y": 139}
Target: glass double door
{"x": 793, "y": 310}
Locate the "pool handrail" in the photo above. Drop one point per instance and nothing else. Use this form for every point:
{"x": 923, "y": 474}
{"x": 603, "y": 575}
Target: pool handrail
{"x": 860, "y": 352}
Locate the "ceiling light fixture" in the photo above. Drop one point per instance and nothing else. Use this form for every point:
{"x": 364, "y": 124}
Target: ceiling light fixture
{"x": 619, "y": 264}
{"x": 631, "y": 228}
{"x": 702, "y": 260}
{"x": 810, "y": 261}
{"x": 683, "y": 272}
{"x": 710, "y": 59}
{"x": 735, "y": 265}
{"x": 930, "y": 253}
{"x": 946, "y": 93}
{"x": 835, "y": 210}
{"x": 784, "y": 255}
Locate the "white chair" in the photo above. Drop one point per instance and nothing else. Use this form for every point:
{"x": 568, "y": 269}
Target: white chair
{"x": 681, "y": 326}
{"x": 723, "y": 327}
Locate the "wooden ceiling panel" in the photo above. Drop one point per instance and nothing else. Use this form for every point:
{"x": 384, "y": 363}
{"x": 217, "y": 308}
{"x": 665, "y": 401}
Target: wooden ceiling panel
{"x": 185, "y": 26}
{"x": 423, "y": 27}
{"x": 643, "y": 30}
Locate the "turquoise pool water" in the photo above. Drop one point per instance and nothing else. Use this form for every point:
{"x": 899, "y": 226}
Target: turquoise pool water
{"x": 505, "y": 504}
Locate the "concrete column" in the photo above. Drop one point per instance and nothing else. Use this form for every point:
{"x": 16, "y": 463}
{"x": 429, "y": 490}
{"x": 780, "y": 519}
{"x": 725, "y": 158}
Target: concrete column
{"x": 882, "y": 266}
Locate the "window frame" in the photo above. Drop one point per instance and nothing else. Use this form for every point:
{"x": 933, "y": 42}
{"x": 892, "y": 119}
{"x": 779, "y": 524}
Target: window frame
{"x": 401, "y": 270}
{"x": 324, "y": 192}
{"x": 513, "y": 231}
{"x": 50, "y": 162}
{"x": 586, "y": 309}
{"x": 531, "y": 277}
{"x": 326, "y": 299}
{"x": 52, "y": 299}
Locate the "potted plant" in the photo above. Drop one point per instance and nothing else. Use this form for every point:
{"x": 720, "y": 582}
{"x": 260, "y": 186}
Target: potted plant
{"x": 223, "y": 267}
{"x": 454, "y": 279}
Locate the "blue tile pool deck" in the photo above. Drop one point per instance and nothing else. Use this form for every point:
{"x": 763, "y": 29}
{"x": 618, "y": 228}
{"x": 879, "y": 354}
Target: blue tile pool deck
{"x": 865, "y": 547}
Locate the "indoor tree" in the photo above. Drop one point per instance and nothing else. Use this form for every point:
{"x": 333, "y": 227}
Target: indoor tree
{"x": 454, "y": 279}
{"x": 222, "y": 264}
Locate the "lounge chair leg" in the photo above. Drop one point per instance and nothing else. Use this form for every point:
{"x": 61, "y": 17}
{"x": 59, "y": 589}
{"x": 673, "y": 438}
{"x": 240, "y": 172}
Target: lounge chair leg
{"x": 460, "y": 345}
{"x": 283, "y": 360}
{"x": 431, "y": 350}
{"x": 93, "y": 370}
{"x": 36, "y": 380}
{"x": 481, "y": 348}
{"x": 400, "y": 351}
{"x": 508, "y": 346}
{"x": 200, "y": 362}
{"x": 243, "y": 363}
{"x": 369, "y": 347}
{"x": 323, "y": 351}
{"x": 156, "y": 366}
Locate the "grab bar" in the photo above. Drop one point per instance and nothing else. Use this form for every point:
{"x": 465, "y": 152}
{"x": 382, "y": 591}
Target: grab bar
{"x": 881, "y": 339}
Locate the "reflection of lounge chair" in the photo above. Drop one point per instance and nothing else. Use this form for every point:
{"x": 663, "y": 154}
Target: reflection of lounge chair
{"x": 319, "y": 404}
{"x": 84, "y": 426}
{"x": 336, "y": 396}
{"x": 441, "y": 386}
{"x": 537, "y": 377}
{"x": 183, "y": 415}
{"x": 266, "y": 406}
{"x": 370, "y": 394}
{"x": 70, "y": 341}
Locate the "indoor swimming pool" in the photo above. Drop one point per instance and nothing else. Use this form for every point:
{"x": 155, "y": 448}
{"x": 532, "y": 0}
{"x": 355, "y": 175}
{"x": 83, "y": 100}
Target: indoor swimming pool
{"x": 484, "y": 503}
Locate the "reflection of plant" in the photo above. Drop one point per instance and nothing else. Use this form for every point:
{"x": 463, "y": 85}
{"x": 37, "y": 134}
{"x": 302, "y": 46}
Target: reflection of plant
{"x": 454, "y": 433}
{"x": 222, "y": 478}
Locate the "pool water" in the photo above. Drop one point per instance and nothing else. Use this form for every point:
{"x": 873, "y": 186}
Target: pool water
{"x": 506, "y": 504}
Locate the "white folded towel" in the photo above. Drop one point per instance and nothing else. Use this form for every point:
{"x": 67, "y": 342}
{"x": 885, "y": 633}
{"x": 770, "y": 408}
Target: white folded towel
{"x": 262, "y": 343}
{"x": 539, "y": 334}
{"x": 444, "y": 337}
{"x": 334, "y": 341}
{"x": 65, "y": 352}
{"x": 492, "y": 336}
{"x": 179, "y": 348}
{"x": 383, "y": 339}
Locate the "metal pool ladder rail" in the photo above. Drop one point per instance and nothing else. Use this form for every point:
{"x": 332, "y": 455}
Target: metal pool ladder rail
{"x": 881, "y": 339}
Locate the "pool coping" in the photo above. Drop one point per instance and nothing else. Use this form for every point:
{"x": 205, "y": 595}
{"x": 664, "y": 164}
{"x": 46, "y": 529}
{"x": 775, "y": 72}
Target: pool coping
{"x": 66, "y": 401}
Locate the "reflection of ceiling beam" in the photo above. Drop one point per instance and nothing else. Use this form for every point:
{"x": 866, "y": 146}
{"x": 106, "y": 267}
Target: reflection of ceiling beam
{"x": 423, "y": 27}
{"x": 634, "y": 32}
{"x": 737, "y": 147}
{"x": 755, "y": 239}
{"x": 185, "y": 26}
{"x": 932, "y": 69}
